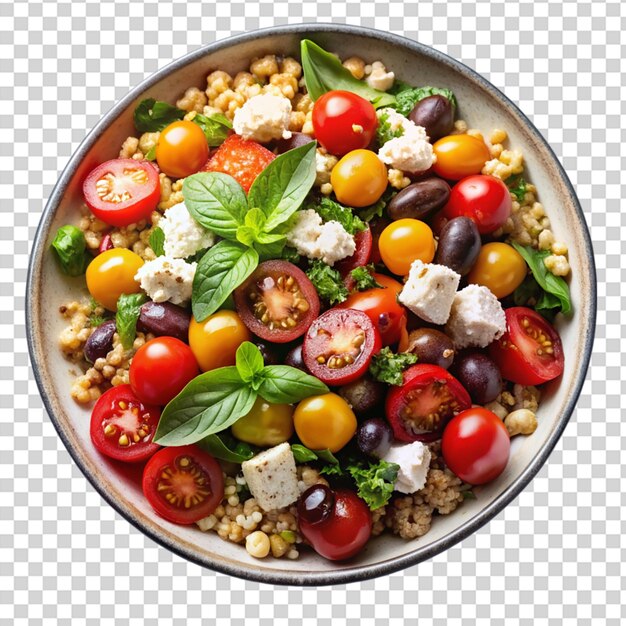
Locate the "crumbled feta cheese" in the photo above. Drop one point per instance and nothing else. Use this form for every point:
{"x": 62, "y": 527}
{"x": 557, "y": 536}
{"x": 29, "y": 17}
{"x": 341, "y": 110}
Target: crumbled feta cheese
{"x": 167, "y": 279}
{"x": 324, "y": 164}
{"x": 379, "y": 78}
{"x": 263, "y": 118}
{"x": 476, "y": 318}
{"x": 183, "y": 235}
{"x": 429, "y": 291}
{"x": 414, "y": 461}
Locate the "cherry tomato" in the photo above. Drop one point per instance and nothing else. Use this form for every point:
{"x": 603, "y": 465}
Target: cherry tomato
{"x": 428, "y": 397}
{"x": 484, "y": 199}
{"x": 459, "y": 156}
{"x": 122, "y": 426}
{"x": 181, "y": 149}
{"x": 530, "y": 351}
{"x": 339, "y": 345}
{"x": 324, "y": 421}
{"x": 343, "y": 531}
{"x": 122, "y": 191}
{"x": 499, "y": 267}
{"x": 405, "y": 241}
{"x": 111, "y": 274}
{"x": 381, "y": 306}
{"x": 359, "y": 178}
{"x": 243, "y": 159}
{"x": 183, "y": 484}
{"x": 277, "y": 302}
{"x": 266, "y": 424}
{"x": 215, "y": 340}
{"x": 475, "y": 446}
{"x": 161, "y": 368}
{"x": 343, "y": 121}
{"x": 361, "y": 256}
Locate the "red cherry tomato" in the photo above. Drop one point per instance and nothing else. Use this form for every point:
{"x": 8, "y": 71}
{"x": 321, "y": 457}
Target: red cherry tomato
{"x": 161, "y": 368}
{"x": 183, "y": 484}
{"x": 419, "y": 409}
{"x": 339, "y": 346}
{"x": 343, "y": 121}
{"x": 530, "y": 351}
{"x": 122, "y": 191}
{"x": 475, "y": 446}
{"x": 122, "y": 426}
{"x": 362, "y": 254}
{"x": 344, "y": 532}
{"x": 484, "y": 199}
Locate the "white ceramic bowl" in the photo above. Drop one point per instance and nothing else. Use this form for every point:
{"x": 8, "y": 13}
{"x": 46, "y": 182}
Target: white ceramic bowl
{"x": 483, "y": 107}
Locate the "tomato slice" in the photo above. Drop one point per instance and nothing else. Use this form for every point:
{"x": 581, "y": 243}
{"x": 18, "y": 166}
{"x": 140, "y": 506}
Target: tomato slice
{"x": 362, "y": 254}
{"x": 122, "y": 426}
{"x": 243, "y": 159}
{"x": 339, "y": 346}
{"x": 419, "y": 409}
{"x": 530, "y": 351}
{"x": 277, "y": 302}
{"x": 183, "y": 484}
{"x": 122, "y": 191}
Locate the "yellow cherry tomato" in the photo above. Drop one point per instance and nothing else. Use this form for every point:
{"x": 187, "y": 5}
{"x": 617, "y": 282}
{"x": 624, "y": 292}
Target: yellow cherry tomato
{"x": 215, "y": 340}
{"x": 181, "y": 149}
{"x": 405, "y": 241}
{"x": 325, "y": 421}
{"x": 359, "y": 178}
{"x": 499, "y": 267}
{"x": 111, "y": 274}
{"x": 459, "y": 156}
{"x": 266, "y": 425}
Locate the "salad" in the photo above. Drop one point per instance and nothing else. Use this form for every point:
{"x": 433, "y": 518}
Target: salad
{"x": 317, "y": 308}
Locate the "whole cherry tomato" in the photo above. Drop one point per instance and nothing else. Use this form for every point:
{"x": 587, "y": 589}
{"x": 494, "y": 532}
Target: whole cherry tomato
{"x": 405, "y": 241}
{"x": 182, "y": 149}
{"x": 500, "y": 268}
{"x": 459, "y": 156}
{"x": 359, "y": 178}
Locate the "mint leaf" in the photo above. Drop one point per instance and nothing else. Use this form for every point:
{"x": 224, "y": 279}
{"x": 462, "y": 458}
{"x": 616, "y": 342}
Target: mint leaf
{"x": 157, "y": 240}
{"x": 128, "y": 311}
{"x": 384, "y": 132}
{"x": 227, "y": 448}
{"x": 407, "y": 97}
{"x": 327, "y": 281}
{"x": 374, "y": 482}
{"x": 283, "y": 384}
{"x": 152, "y": 115}
{"x": 249, "y": 361}
{"x": 329, "y": 210}
{"x": 71, "y": 250}
{"x": 364, "y": 279}
{"x": 215, "y": 127}
{"x": 387, "y": 367}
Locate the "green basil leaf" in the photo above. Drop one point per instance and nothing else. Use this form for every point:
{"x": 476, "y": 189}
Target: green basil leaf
{"x": 283, "y": 384}
{"x": 246, "y": 235}
{"x": 327, "y": 282}
{"x": 255, "y": 218}
{"x": 327, "y": 455}
{"x": 407, "y": 97}
{"x": 324, "y": 72}
{"x": 527, "y": 293}
{"x": 249, "y": 361}
{"x": 387, "y": 367}
{"x": 329, "y": 210}
{"x": 220, "y": 271}
{"x": 216, "y": 201}
{"x": 153, "y": 115}
{"x": 70, "y": 247}
{"x": 128, "y": 311}
{"x": 215, "y": 127}
{"x": 271, "y": 250}
{"x": 226, "y": 448}
{"x": 157, "y": 240}
{"x": 302, "y": 454}
{"x": 210, "y": 403}
{"x": 282, "y": 186}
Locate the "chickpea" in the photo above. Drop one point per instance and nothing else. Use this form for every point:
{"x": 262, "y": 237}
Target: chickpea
{"x": 258, "y": 544}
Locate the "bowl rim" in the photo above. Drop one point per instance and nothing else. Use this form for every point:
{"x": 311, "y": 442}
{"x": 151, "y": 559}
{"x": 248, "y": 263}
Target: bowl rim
{"x": 420, "y": 553}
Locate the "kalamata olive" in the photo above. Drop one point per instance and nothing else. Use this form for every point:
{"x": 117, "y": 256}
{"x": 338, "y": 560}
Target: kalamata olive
{"x": 480, "y": 376}
{"x": 419, "y": 200}
{"x": 316, "y": 504}
{"x": 267, "y": 352}
{"x": 435, "y": 114}
{"x": 295, "y": 141}
{"x": 363, "y": 394}
{"x": 294, "y": 358}
{"x": 374, "y": 437}
{"x": 100, "y": 342}
{"x": 431, "y": 346}
{"x": 459, "y": 245}
{"x": 164, "y": 319}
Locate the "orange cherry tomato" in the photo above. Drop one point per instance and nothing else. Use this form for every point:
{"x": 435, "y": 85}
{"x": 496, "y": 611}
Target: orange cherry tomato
{"x": 500, "y": 268}
{"x": 405, "y": 241}
{"x": 359, "y": 178}
{"x": 182, "y": 149}
{"x": 459, "y": 156}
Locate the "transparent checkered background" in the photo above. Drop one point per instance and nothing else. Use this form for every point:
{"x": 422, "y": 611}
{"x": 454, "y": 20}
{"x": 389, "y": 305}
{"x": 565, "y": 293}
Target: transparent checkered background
{"x": 553, "y": 556}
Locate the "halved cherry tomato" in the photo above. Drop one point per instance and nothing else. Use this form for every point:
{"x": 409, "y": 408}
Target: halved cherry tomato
{"x": 419, "y": 409}
{"x": 243, "y": 159}
{"x": 343, "y": 121}
{"x": 122, "y": 191}
{"x": 359, "y": 178}
{"x": 484, "y": 199}
{"x": 459, "y": 156}
{"x": 339, "y": 346}
{"x": 181, "y": 149}
{"x": 361, "y": 256}
{"x": 530, "y": 351}
{"x": 405, "y": 241}
{"x": 122, "y": 426}
{"x": 475, "y": 445}
{"x": 277, "y": 302}
{"x": 500, "y": 268}
{"x": 183, "y": 484}
{"x": 381, "y": 306}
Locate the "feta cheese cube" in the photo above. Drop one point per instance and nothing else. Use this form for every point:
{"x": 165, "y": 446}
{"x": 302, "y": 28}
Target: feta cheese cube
{"x": 166, "y": 278}
{"x": 379, "y": 78}
{"x": 183, "y": 235}
{"x": 271, "y": 477}
{"x": 263, "y": 118}
{"x": 414, "y": 461}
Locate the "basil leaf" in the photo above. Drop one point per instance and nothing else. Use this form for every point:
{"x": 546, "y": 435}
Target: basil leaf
{"x": 387, "y": 367}
{"x": 282, "y": 186}
{"x": 216, "y": 201}
{"x": 528, "y": 292}
{"x": 270, "y": 250}
{"x": 70, "y": 247}
{"x": 128, "y": 311}
{"x": 156, "y": 241}
{"x": 324, "y": 72}
{"x": 282, "y": 384}
{"x": 329, "y": 210}
{"x": 227, "y": 448}
{"x": 249, "y": 361}
{"x": 302, "y": 454}
{"x": 327, "y": 455}
{"x": 407, "y": 97}
{"x": 153, "y": 115}
{"x": 220, "y": 271}
{"x": 210, "y": 403}
{"x": 215, "y": 127}
{"x": 327, "y": 282}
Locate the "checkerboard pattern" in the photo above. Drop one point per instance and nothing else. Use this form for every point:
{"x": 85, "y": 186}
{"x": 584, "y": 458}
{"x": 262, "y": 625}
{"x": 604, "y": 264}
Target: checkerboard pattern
{"x": 554, "y": 556}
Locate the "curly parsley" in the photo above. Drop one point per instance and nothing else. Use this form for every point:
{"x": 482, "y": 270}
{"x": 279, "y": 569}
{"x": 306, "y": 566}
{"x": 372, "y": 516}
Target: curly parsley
{"x": 387, "y": 367}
